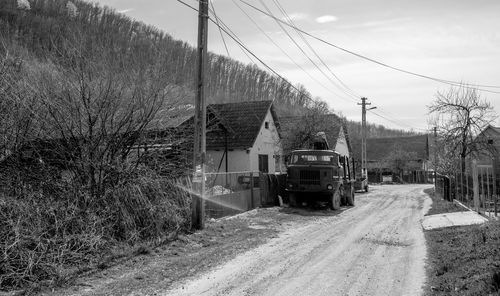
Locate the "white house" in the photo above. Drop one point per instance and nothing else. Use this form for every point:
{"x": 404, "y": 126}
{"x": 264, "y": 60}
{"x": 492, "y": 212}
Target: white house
{"x": 243, "y": 136}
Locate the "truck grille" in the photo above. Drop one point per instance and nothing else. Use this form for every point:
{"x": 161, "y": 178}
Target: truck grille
{"x": 309, "y": 178}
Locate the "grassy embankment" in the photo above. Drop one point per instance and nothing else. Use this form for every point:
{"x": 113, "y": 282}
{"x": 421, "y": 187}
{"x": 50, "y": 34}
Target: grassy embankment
{"x": 462, "y": 260}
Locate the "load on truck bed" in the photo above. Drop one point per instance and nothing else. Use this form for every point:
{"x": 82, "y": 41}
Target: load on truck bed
{"x": 319, "y": 175}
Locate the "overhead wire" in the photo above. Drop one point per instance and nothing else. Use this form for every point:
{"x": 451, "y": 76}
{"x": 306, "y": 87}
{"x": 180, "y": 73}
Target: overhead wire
{"x": 196, "y": 9}
{"x": 398, "y": 123}
{"x": 220, "y": 31}
{"x": 290, "y": 20}
{"x": 449, "y": 82}
{"x": 284, "y": 52}
{"x": 401, "y": 121}
{"x": 300, "y": 47}
{"x": 234, "y": 37}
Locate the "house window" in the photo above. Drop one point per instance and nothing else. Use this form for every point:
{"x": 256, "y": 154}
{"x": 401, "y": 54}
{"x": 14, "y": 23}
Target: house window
{"x": 266, "y": 124}
{"x": 263, "y": 163}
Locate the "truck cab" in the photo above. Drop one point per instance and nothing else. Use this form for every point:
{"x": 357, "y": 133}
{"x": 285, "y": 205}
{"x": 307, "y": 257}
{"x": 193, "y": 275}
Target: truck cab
{"x": 319, "y": 175}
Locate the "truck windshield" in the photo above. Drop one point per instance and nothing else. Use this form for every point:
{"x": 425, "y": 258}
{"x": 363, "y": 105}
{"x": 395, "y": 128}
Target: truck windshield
{"x": 314, "y": 158}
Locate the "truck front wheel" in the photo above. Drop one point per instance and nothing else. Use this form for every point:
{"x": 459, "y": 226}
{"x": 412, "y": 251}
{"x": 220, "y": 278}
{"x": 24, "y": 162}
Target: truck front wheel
{"x": 350, "y": 197}
{"x": 293, "y": 199}
{"x": 334, "y": 201}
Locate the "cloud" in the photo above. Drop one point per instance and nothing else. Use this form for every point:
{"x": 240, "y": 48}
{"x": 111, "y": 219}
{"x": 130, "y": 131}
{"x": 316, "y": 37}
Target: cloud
{"x": 126, "y": 10}
{"x": 326, "y": 19}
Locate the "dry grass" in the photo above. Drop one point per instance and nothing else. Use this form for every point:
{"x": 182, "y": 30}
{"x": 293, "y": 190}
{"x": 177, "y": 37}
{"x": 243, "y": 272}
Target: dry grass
{"x": 45, "y": 239}
{"x": 462, "y": 260}
{"x": 440, "y": 205}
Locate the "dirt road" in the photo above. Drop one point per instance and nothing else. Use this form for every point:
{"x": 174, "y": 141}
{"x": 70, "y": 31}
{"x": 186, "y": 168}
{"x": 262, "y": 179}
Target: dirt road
{"x": 374, "y": 248}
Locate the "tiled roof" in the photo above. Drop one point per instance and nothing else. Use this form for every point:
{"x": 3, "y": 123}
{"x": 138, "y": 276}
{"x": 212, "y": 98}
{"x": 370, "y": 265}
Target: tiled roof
{"x": 379, "y": 148}
{"x": 242, "y": 120}
{"x": 330, "y": 124}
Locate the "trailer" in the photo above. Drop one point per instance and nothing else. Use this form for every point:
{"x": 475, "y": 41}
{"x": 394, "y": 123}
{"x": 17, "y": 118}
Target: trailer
{"x": 361, "y": 184}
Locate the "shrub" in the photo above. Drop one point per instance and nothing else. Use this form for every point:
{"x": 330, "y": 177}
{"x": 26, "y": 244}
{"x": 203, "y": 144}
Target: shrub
{"x": 47, "y": 237}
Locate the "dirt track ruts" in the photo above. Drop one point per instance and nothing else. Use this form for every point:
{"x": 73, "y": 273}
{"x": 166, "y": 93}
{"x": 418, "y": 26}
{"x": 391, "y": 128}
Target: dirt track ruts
{"x": 374, "y": 248}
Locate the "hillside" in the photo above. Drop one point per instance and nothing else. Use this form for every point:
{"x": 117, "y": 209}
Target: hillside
{"x": 52, "y": 29}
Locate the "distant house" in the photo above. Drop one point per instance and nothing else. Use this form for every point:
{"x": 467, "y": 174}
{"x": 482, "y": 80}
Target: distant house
{"x": 298, "y": 132}
{"x": 411, "y": 152}
{"x": 488, "y": 147}
{"x": 243, "y": 136}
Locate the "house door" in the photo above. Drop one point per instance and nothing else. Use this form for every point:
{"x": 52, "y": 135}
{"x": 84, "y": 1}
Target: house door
{"x": 263, "y": 163}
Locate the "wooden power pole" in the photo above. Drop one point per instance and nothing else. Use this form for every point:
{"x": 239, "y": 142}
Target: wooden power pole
{"x": 435, "y": 160}
{"x": 200, "y": 122}
{"x": 364, "y": 172}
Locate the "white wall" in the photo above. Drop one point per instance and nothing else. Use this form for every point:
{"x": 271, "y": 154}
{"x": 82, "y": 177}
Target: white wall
{"x": 267, "y": 142}
{"x": 341, "y": 146}
{"x": 238, "y": 161}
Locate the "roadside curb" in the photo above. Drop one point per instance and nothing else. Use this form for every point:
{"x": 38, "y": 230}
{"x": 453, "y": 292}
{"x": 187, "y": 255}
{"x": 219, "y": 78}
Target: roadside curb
{"x": 452, "y": 219}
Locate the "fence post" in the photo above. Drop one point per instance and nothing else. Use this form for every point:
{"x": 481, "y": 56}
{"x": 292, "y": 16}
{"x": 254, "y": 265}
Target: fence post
{"x": 495, "y": 194}
{"x": 462, "y": 186}
{"x": 487, "y": 206}
{"x": 466, "y": 196}
{"x": 475, "y": 184}
{"x": 481, "y": 196}
{"x": 251, "y": 190}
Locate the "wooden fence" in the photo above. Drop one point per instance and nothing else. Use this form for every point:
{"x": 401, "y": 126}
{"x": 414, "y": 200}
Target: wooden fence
{"x": 477, "y": 188}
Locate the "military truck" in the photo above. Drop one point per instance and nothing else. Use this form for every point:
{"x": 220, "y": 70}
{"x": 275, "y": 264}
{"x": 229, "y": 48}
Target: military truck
{"x": 319, "y": 176}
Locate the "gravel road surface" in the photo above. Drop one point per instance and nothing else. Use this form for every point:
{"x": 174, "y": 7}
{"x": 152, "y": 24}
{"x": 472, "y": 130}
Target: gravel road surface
{"x": 374, "y": 248}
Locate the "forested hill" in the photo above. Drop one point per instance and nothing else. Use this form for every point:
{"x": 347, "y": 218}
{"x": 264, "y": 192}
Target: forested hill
{"x": 375, "y": 131}
{"x": 56, "y": 28}
{"x": 80, "y": 38}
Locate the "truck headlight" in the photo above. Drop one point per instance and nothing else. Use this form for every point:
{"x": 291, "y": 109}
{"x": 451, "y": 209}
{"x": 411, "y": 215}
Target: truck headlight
{"x": 329, "y": 186}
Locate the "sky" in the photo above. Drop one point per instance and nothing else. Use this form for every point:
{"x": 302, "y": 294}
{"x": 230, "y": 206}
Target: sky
{"x": 456, "y": 40}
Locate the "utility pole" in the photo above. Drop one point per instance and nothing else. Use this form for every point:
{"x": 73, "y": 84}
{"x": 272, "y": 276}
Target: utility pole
{"x": 364, "y": 172}
{"x": 435, "y": 159}
{"x": 200, "y": 122}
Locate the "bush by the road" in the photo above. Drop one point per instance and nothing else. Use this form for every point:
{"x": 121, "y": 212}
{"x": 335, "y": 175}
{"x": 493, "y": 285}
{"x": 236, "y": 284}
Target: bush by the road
{"x": 46, "y": 238}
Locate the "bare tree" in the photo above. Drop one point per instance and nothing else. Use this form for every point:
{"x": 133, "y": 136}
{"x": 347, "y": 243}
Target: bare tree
{"x": 460, "y": 114}
{"x": 300, "y": 131}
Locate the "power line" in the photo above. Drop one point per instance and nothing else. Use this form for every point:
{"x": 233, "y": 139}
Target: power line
{"x": 299, "y": 47}
{"x": 395, "y": 122}
{"x": 220, "y": 31}
{"x": 235, "y": 39}
{"x": 401, "y": 121}
{"x": 285, "y": 53}
{"x": 449, "y": 82}
{"x": 233, "y": 36}
{"x": 242, "y": 45}
{"x": 195, "y": 9}
{"x": 290, "y": 20}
